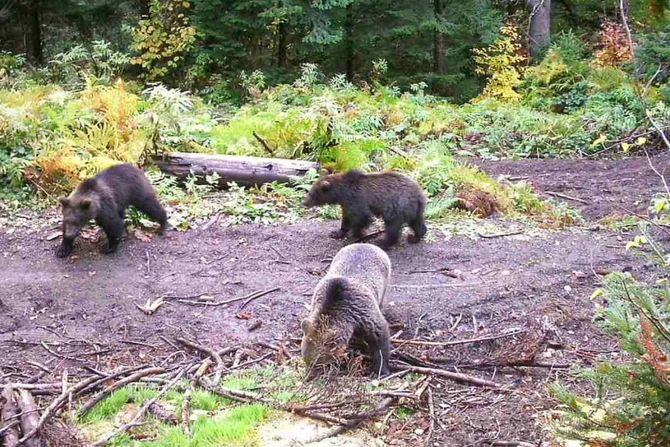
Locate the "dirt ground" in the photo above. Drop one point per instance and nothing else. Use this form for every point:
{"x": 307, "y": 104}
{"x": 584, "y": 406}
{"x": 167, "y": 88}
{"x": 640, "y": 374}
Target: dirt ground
{"x": 541, "y": 284}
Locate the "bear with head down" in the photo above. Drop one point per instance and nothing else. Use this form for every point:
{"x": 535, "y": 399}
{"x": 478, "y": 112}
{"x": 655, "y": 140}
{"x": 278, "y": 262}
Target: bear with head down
{"x": 105, "y": 199}
{"x": 346, "y": 309}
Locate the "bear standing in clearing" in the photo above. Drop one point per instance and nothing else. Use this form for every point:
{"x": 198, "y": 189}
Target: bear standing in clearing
{"x": 397, "y": 199}
{"x": 104, "y": 199}
{"x": 346, "y": 307}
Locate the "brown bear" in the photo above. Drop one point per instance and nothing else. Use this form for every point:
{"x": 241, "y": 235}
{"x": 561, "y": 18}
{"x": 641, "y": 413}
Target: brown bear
{"x": 104, "y": 199}
{"x": 395, "y": 198}
{"x": 346, "y": 309}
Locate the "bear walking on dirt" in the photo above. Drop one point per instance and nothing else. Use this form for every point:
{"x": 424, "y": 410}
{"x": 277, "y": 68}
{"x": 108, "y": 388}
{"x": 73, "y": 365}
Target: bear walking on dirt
{"x": 397, "y": 199}
{"x": 346, "y": 307}
{"x": 104, "y": 199}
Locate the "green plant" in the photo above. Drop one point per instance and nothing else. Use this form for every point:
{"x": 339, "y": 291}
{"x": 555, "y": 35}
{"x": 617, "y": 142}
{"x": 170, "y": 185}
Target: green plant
{"x": 632, "y": 397}
{"x": 501, "y": 63}
{"x": 164, "y": 39}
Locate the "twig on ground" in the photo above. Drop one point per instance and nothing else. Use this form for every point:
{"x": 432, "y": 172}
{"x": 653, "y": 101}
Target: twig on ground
{"x": 186, "y": 408}
{"x": 353, "y": 422}
{"x": 513, "y": 444}
{"x": 459, "y": 342}
{"x": 140, "y": 414}
{"x": 256, "y": 296}
{"x": 431, "y": 410}
{"x": 88, "y": 406}
{"x": 458, "y": 377}
{"x": 253, "y": 295}
{"x": 367, "y": 237}
{"x": 566, "y": 197}
{"x": 218, "y": 370}
{"x": 497, "y": 235}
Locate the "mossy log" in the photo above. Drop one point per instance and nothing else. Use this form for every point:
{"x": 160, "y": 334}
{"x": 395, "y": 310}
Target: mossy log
{"x": 245, "y": 171}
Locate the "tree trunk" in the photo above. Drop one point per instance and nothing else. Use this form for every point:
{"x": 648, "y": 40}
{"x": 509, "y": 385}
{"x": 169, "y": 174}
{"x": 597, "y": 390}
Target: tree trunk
{"x": 349, "y": 42}
{"x": 35, "y": 32}
{"x": 539, "y": 29}
{"x": 282, "y": 44}
{"x": 438, "y": 40}
{"x": 245, "y": 171}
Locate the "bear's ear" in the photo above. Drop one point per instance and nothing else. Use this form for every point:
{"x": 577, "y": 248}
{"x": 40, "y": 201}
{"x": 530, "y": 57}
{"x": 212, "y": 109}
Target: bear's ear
{"x": 325, "y": 185}
{"x": 85, "y": 204}
{"x": 306, "y": 326}
{"x": 64, "y": 201}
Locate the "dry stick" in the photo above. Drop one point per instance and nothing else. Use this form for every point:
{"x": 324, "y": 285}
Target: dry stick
{"x": 354, "y": 422}
{"x": 30, "y": 418}
{"x": 566, "y": 197}
{"x": 163, "y": 414}
{"x": 210, "y": 352}
{"x": 367, "y": 237}
{"x": 186, "y": 410}
{"x": 140, "y": 414}
{"x": 458, "y": 342}
{"x": 232, "y": 300}
{"x": 255, "y": 297}
{"x": 92, "y": 402}
{"x": 458, "y": 377}
{"x": 431, "y": 409}
{"x": 109, "y": 377}
{"x": 264, "y": 143}
{"x": 8, "y": 412}
{"x": 497, "y": 235}
{"x": 513, "y": 444}
{"x": 55, "y": 405}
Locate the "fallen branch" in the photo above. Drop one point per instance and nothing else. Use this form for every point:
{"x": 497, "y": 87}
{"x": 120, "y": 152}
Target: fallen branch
{"x": 264, "y": 143}
{"x": 497, "y": 235}
{"x": 186, "y": 409}
{"x": 367, "y": 237}
{"x": 140, "y": 414}
{"x": 30, "y": 419}
{"x": 566, "y": 197}
{"x": 458, "y": 377}
{"x": 431, "y": 410}
{"x": 457, "y": 342}
{"x": 88, "y": 406}
{"x": 253, "y": 295}
{"x": 10, "y": 435}
{"x": 353, "y": 422}
{"x": 56, "y": 404}
{"x": 218, "y": 371}
{"x": 163, "y": 414}
{"x": 109, "y": 377}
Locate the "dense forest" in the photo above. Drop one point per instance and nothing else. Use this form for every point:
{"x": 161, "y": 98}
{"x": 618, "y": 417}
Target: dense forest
{"x": 524, "y": 143}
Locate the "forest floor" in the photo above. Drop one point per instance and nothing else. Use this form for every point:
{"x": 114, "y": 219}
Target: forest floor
{"x": 451, "y": 287}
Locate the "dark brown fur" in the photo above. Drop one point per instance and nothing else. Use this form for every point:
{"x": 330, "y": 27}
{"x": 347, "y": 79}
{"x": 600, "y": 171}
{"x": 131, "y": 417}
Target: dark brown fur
{"x": 396, "y": 199}
{"x": 346, "y": 309}
{"x": 104, "y": 199}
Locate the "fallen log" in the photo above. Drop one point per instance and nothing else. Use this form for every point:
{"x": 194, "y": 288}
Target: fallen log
{"x": 8, "y": 414}
{"x": 30, "y": 418}
{"x": 245, "y": 171}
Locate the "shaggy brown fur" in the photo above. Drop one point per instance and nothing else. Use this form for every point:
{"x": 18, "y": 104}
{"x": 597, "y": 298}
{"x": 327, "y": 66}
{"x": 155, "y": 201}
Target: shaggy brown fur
{"x": 346, "y": 309}
{"x": 104, "y": 199}
{"x": 397, "y": 199}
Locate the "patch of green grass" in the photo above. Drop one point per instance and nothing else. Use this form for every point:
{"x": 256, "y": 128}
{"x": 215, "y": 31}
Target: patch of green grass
{"x": 204, "y": 400}
{"x": 233, "y": 428}
{"x": 109, "y": 407}
{"x": 404, "y": 413}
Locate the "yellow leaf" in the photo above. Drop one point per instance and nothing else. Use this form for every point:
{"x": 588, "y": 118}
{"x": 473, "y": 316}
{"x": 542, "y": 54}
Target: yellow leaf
{"x": 641, "y": 141}
{"x": 600, "y": 140}
{"x": 597, "y": 293}
{"x": 625, "y": 147}
{"x": 186, "y": 5}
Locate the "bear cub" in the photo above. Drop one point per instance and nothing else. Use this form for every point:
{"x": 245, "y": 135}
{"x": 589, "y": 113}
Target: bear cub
{"x": 396, "y": 199}
{"x": 346, "y": 309}
{"x": 104, "y": 199}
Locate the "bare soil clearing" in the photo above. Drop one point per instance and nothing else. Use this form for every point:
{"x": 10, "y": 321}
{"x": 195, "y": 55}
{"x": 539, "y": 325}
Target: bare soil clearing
{"x": 541, "y": 285}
